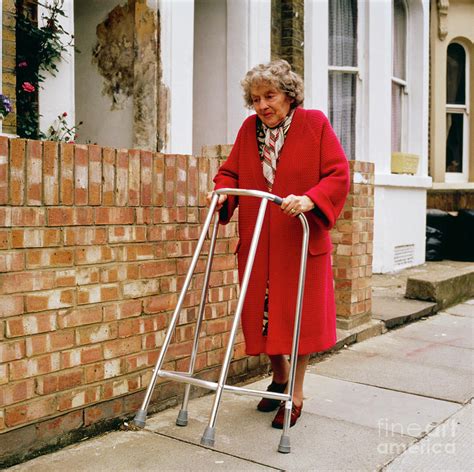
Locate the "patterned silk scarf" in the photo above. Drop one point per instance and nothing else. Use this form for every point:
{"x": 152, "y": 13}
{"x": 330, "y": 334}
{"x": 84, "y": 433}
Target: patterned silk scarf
{"x": 274, "y": 139}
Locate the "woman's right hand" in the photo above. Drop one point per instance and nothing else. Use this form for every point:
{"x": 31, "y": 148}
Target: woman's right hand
{"x": 220, "y": 202}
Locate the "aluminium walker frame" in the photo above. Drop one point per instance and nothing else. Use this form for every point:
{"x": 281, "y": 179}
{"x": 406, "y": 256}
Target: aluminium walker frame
{"x": 208, "y": 438}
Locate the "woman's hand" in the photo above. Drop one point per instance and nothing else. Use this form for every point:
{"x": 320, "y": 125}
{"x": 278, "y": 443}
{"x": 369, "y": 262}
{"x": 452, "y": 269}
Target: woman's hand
{"x": 220, "y": 202}
{"x": 293, "y": 205}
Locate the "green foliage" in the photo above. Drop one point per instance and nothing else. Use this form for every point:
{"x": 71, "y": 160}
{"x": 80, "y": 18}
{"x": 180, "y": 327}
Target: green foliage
{"x": 39, "y": 48}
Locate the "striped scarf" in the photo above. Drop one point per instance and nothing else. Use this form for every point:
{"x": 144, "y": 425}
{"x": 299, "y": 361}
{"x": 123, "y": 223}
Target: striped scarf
{"x": 274, "y": 139}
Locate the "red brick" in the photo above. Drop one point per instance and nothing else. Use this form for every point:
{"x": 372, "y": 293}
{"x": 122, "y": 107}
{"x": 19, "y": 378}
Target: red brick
{"x": 127, "y": 309}
{"x": 126, "y": 234}
{"x": 120, "y": 387}
{"x": 170, "y": 181}
{"x": 50, "y": 342}
{"x": 95, "y": 175}
{"x": 63, "y": 216}
{"x": 25, "y": 368}
{"x": 121, "y": 347}
{"x": 11, "y": 306}
{"x": 58, "y": 382}
{"x": 10, "y": 351}
{"x": 50, "y": 173}
{"x": 25, "y": 238}
{"x": 103, "y": 370}
{"x": 30, "y": 411}
{"x": 203, "y": 173}
{"x": 51, "y": 429}
{"x": 16, "y": 392}
{"x": 31, "y": 324}
{"x": 137, "y": 252}
{"x": 80, "y": 317}
{"x": 181, "y": 178}
{"x": 78, "y": 398}
{"x": 66, "y": 180}
{"x": 49, "y": 258}
{"x": 158, "y": 179}
{"x": 121, "y": 171}
{"x": 97, "y": 293}
{"x": 4, "y": 165}
{"x": 26, "y": 281}
{"x": 81, "y": 170}
{"x": 108, "y": 186}
{"x": 146, "y": 192}
{"x": 85, "y": 236}
{"x": 96, "y": 333}
{"x": 102, "y": 411}
{"x": 93, "y": 255}
{"x": 129, "y": 327}
{"x": 81, "y": 356}
{"x": 4, "y": 239}
{"x": 17, "y": 171}
{"x": 134, "y": 177}
{"x": 114, "y": 216}
{"x": 50, "y": 300}
{"x": 192, "y": 180}
{"x": 157, "y": 269}
{"x": 28, "y": 216}
{"x": 34, "y": 173}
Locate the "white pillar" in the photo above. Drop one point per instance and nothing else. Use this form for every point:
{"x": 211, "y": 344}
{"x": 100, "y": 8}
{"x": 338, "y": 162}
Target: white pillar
{"x": 248, "y": 44}
{"x": 57, "y": 93}
{"x": 177, "y": 46}
{"x": 316, "y": 34}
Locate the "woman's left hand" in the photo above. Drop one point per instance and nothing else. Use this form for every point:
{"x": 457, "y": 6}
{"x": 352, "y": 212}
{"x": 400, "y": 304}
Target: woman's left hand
{"x": 293, "y": 205}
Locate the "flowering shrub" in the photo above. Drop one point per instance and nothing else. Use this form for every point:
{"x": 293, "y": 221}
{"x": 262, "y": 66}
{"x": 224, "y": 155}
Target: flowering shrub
{"x": 38, "y": 49}
{"x": 61, "y": 131}
{"x": 5, "y": 106}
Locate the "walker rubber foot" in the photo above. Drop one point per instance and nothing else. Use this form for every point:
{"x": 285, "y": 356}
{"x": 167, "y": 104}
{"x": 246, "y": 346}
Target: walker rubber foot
{"x": 208, "y": 438}
{"x": 140, "y": 419}
{"x": 284, "y": 446}
{"x": 182, "y": 419}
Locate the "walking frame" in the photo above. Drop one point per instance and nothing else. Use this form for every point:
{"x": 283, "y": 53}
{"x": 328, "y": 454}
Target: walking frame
{"x": 208, "y": 438}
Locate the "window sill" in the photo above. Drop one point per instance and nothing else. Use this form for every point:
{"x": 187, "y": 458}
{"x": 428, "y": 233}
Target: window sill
{"x": 403, "y": 180}
{"x": 453, "y": 186}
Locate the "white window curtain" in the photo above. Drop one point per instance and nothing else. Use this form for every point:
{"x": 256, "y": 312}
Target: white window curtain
{"x": 399, "y": 79}
{"x": 343, "y": 71}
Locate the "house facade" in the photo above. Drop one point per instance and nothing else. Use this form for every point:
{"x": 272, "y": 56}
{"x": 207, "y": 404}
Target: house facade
{"x": 165, "y": 74}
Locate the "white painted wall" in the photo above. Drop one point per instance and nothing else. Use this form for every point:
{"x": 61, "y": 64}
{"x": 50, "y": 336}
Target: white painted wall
{"x": 102, "y": 125}
{"x": 177, "y": 53}
{"x": 56, "y": 95}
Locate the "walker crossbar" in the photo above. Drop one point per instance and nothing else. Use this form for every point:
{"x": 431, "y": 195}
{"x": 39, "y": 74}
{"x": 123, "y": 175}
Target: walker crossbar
{"x": 208, "y": 437}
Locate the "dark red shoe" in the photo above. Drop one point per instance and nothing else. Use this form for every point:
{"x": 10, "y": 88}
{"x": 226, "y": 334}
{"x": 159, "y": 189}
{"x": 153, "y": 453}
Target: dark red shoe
{"x": 280, "y": 416}
{"x": 267, "y": 404}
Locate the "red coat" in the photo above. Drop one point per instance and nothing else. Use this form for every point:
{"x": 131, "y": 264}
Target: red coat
{"x": 312, "y": 162}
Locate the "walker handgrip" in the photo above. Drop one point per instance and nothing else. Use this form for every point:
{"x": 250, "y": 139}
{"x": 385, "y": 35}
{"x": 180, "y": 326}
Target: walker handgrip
{"x": 278, "y": 200}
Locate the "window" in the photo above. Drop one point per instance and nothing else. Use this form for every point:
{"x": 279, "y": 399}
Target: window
{"x": 457, "y": 118}
{"x": 343, "y": 72}
{"x": 399, "y": 75}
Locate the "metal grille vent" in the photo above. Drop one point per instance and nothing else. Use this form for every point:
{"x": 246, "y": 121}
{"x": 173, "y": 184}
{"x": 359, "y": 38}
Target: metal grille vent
{"x": 404, "y": 255}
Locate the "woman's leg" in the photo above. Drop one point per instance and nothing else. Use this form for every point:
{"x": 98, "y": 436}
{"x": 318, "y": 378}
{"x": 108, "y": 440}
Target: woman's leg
{"x": 281, "y": 370}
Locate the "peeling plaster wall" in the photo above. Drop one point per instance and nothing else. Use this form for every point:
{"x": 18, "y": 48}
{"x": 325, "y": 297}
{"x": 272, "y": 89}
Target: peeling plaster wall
{"x": 105, "y": 122}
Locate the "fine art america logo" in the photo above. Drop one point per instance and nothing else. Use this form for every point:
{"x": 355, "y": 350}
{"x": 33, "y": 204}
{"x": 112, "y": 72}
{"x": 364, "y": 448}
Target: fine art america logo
{"x": 438, "y": 440}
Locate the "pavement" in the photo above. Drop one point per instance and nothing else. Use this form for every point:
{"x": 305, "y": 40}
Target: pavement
{"x": 399, "y": 401}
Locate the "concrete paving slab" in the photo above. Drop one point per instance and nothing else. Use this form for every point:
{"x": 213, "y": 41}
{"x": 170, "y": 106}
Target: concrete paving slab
{"x": 419, "y": 351}
{"x": 394, "y": 310}
{"x": 463, "y": 309}
{"x": 378, "y": 408}
{"x": 447, "y": 448}
{"x": 395, "y": 373}
{"x": 470, "y": 302}
{"x": 318, "y": 443}
{"x": 137, "y": 451}
{"x": 442, "y": 328}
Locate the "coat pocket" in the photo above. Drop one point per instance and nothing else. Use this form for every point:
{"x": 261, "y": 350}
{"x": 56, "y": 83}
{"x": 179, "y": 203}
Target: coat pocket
{"x": 320, "y": 245}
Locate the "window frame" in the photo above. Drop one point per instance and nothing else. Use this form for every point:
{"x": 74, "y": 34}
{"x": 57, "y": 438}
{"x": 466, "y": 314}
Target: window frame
{"x": 458, "y": 109}
{"x": 403, "y": 83}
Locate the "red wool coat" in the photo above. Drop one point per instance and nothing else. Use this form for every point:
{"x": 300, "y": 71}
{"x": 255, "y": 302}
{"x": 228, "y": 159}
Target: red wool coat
{"x": 312, "y": 162}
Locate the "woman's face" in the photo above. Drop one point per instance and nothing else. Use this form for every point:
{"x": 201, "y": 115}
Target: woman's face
{"x": 271, "y": 104}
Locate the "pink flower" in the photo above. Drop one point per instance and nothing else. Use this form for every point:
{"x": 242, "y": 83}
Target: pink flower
{"x": 23, "y": 64}
{"x": 27, "y": 87}
{"x": 65, "y": 113}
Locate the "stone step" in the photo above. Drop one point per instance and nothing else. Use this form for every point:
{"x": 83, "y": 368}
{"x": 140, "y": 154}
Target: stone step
{"x": 445, "y": 288}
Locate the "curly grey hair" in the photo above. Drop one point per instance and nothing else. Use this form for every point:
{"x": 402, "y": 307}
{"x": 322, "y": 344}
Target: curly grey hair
{"x": 278, "y": 74}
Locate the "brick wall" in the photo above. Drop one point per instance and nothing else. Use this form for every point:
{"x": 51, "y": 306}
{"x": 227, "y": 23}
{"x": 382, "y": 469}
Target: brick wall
{"x": 9, "y": 62}
{"x": 94, "y": 245}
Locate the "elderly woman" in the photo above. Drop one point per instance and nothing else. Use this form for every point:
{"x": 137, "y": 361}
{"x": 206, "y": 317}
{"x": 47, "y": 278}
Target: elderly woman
{"x": 294, "y": 153}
